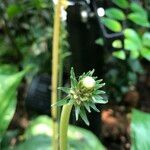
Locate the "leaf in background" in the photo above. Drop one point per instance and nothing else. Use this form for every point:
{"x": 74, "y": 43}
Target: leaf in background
{"x": 115, "y": 13}
{"x": 145, "y": 52}
{"x": 139, "y": 19}
{"x": 7, "y": 138}
{"x": 132, "y": 47}
{"x": 135, "y": 65}
{"x": 117, "y": 44}
{"x": 39, "y": 4}
{"x": 134, "y": 54}
{"x": 5, "y": 48}
{"x": 146, "y": 39}
{"x": 100, "y": 41}
{"x": 121, "y": 3}
{"x": 112, "y": 24}
{"x": 136, "y": 7}
{"x": 140, "y": 130}
{"x": 132, "y": 35}
{"x": 8, "y": 69}
{"x": 39, "y": 132}
{"x": 13, "y": 10}
{"x": 39, "y": 142}
{"x": 120, "y": 54}
{"x": 9, "y": 81}
{"x": 132, "y": 77}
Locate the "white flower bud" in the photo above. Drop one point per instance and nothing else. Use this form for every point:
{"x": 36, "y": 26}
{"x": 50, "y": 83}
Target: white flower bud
{"x": 88, "y": 82}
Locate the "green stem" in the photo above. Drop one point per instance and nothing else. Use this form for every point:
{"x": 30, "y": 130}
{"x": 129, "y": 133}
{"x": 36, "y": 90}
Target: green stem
{"x": 64, "y": 122}
{"x": 60, "y": 83}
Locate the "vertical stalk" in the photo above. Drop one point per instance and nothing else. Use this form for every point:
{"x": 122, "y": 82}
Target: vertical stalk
{"x": 55, "y": 63}
{"x": 60, "y": 82}
{"x": 64, "y": 122}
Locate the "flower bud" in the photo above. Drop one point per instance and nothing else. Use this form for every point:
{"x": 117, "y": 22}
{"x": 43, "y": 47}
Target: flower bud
{"x": 88, "y": 83}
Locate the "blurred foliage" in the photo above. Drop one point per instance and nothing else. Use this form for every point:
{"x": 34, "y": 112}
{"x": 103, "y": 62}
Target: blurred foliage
{"x": 122, "y": 77}
{"x": 26, "y": 40}
{"x": 140, "y": 130}
{"x": 27, "y": 34}
{"x": 131, "y": 20}
{"x": 10, "y": 79}
{"x": 26, "y": 30}
{"x": 38, "y": 137}
{"x": 135, "y": 31}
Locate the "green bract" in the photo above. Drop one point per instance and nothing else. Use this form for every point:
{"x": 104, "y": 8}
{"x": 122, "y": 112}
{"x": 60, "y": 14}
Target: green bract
{"x": 84, "y": 93}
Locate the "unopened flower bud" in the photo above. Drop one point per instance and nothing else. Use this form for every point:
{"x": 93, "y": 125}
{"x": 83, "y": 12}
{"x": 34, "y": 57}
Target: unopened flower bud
{"x": 88, "y": 82}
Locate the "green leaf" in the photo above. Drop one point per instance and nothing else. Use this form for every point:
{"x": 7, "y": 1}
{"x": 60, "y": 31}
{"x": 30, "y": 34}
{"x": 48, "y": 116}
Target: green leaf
{"x": 98, "y": 86}
{"x": 100, "y": 41}
{"x": 38, "y": 136}
{"x": 112, "y": 24}
{"x": 145, "y": 52}
{"x": 97, "y": 92}
{"x": 61, "y": 102}
{"x": 77, "y": 111}
{"x": 8, "y": 92}
{"x": 146, "y": 39}
{"x": 139, "y": 19}
{"x": 120, "y": 54}
{"x": 73, "y": 78}
{"x": 132, "y": 77}
{"x": 94, "y": 107}
{"x": 87, "y": 106}
{"x": 64, "y": 89}
{"x": 13, "y": 10}
{"x": 39, "y": 4}
{"x": 132, "y": 47}
{"x": 99, "y": 99}
{"x": 132, "y": 35}
{"x": 84, "y": 116}
{"x": 136, "y": 7}
{"x": 7, "y": 69}
{"x": 136, "y": 65}
{"x": 99, "y": 81}
{"x": 90, "y": 73}
{"x": 140, "y": 130}
{"x": 39, "y": 142}
{"x": 64, "y": 55}
{"x": 134, "y": 54}
{"x": 121, "y": 3}
{"x": 115, "y": 13}
{"x": 117, "y": 44}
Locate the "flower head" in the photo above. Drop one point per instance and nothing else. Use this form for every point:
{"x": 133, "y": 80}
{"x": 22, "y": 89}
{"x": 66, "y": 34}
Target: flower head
{"x": 84, "y": 93}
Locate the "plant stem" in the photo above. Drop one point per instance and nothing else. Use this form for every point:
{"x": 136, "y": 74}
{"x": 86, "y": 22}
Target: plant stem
{"x": 55, "y": 64}
{"x": 64, "y": 122}
{"x": 60, "y": 83}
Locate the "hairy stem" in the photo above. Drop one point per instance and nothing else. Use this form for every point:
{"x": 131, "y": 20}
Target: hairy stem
{"x": 64, "y": 122}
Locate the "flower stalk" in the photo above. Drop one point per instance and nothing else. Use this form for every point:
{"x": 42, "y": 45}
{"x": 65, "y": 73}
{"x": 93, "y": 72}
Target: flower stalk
{"x": 83, "y": 95}
{"x": 64, "y": 122}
